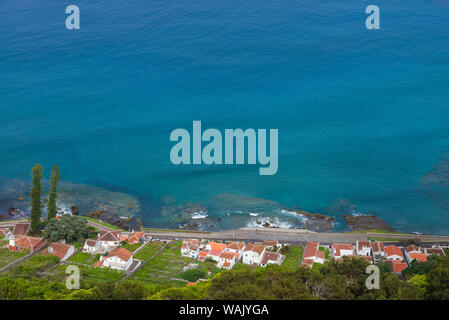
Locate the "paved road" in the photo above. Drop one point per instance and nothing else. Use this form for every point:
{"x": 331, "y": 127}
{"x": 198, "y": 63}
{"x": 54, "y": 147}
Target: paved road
{"x": 293, "y": 236}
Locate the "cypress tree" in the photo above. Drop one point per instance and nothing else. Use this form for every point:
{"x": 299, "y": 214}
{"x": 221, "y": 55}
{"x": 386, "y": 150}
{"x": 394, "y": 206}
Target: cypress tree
{"x": 36, "y": 190}
{"x": 54, "y": 179}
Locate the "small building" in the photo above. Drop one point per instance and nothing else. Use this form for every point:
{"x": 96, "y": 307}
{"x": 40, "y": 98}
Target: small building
{"x": 397, "y": 266}
{"x": 271, "y": 258}
{"x": 236, "y": 247}
{"x": 435, "y": 250}
{"x": 420, "y": 257}
{"x": 253, "y": 253}
{"x": 26, "y": 244}
{"x": 227, "y": 259}
{"x": 393, "y": 253}
{"x": 92, "y": 246}
{"x": 312, "y": 254}
{"x": 363, "y": 247}
{"x": 378, "y": 250}
{"x": 109, "y": 240}
{"x": 202, "y": 255}
{"x": 190, "y": 248}
{"x": 413, "y": 249}
{"x": 119, "y": 259}
{"x": 61, "y": 250}
{"x": 20, "y": 230}
{"x": 136, "y": 237}
{"x": 339, "y": 250}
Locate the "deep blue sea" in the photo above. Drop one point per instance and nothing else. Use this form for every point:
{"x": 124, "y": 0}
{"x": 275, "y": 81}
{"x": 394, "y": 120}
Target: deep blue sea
{"x": 363, "y": 115}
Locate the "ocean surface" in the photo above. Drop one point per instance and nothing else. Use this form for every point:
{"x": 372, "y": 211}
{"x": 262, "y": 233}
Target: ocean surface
{"x": 363, "y": 115}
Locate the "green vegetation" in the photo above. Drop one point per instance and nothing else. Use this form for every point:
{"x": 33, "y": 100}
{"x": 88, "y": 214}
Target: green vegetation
{"x": 54, "y": 179}
{"x": 6, "y": 256}
{"x": 70, "y": 228}
{"x": 192, "y": 275}
{"x": 332, "y": 281}
{"x": 84, "y": 258}
{"x": 36, "y": 190}
{"x": 131, "y": 247}
{"x": 326, "y": 252}
{"x": 36, "y": 264}
{"x": 149, "y": 250}
{"x": 293, "y": 257}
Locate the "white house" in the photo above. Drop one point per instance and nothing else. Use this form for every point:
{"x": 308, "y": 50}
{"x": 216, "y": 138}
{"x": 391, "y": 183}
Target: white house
{"x": 312, "y": 254}
{"x": 119, "y": 259}
{"x": 190, "y": 248}
{"x": 227, "y": 259}
{"x": 253, "y": 254}
{"x": 340, "y": 250}
{"x": 393, "y": 253}
{"x": 92, "y": 246}
{"x": 109, "y": 240}
{"x": 236, "y": 247}
{"x": 363, "y": 247}
{"x": 271, "y": 258}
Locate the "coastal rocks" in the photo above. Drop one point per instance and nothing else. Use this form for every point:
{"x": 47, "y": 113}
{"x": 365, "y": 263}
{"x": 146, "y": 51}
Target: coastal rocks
{"x": 75, "y": 210}
{"x": 186, "y": 215}
{"x": 15, "y": 213}
{"x": 315, "y": 221}
{"x": 367, "y": 222}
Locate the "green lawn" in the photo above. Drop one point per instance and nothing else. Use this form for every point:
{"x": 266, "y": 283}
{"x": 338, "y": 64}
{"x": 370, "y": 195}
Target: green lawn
{"x": 293, "y": 257}
{"x": 34, "y": 265}
{"x": 7, "y": 256}
{"x": 91, "y": 274}
{"x": 149, "y": 250}
{"x": 326, "y": 252}
{"x": 84, "y": 258}
{"x": 131, "y": 247}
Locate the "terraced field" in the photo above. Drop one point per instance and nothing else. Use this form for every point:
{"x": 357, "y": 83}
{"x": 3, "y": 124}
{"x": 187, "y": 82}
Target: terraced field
{"x": 7, "y": 257}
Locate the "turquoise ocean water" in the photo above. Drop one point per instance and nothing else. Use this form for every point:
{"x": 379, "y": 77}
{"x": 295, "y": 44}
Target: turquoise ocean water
{"x": 363, "y": 115}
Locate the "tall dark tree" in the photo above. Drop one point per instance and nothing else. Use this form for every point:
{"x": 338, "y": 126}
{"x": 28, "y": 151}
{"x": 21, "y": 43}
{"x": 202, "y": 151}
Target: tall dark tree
{"x": 54, "y": 179}
{"x": 36, "y": 190}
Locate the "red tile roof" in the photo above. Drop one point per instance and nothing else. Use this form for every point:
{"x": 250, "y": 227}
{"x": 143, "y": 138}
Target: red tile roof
{"x": 98, "y": 264}
{"x": 59, "y": 250}
{"x": 420, "y": 257}
{"x": 412, "y": 248}
{"x": 269, "y": 256}
{"x": 217, "y": 246}
{"x": 110, "y": 235}
{"x": 363, "y": 244}
{"x": 21, "y": 229}
{"x": 27, "y": 242}
{"x": 226, "y": 264}
{"x": 397, "y": 266}
{"x": 122, "y": 253}
{"x": 437, "y": 251}
{"x": 378, "y": 247}
{"x": 91, "y": 243}
{"x": 393, "y": 250}
{"x": 341, "y": 246}
{"x": 229, "y": 255}
{"x": 235, "y": 246}
{"x": 135, "y": 237}
{"x": 255, "y": 248}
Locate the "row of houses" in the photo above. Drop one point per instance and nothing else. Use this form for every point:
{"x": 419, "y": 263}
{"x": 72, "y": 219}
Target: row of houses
{"x": 373, "y": 252}
{"x": 226, "y": 255}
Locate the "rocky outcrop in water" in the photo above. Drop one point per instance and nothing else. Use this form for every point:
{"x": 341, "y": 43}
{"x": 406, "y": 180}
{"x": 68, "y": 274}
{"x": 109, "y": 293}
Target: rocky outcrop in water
{"x": 367, "y": 222}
